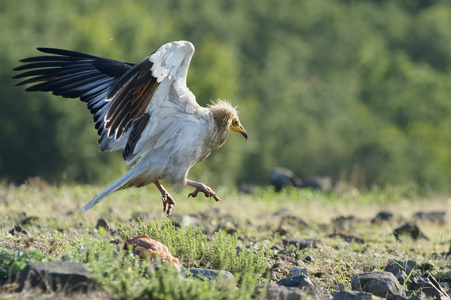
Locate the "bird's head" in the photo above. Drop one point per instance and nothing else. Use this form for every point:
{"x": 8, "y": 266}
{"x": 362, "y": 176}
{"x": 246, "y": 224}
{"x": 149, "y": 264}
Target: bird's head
{"x": 236, "y": 126}
{"x": 226, "y": 115}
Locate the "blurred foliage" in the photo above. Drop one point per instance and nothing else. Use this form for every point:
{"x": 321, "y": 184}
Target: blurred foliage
{"x": 352, "y": 89}
{"x": 11, "y": 263}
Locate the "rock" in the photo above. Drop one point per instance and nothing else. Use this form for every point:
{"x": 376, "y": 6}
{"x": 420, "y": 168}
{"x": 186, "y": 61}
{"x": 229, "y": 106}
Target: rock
{"x": 377, "y": 283}
{"x": 280, "y": 270}
{"x": 297, "y": 271}
{"x": 31, "y": 220}
{"x": 348, "y": 238}
{"x": 303, "y": 243}
{"x": 402, "y": 277}
{"x": 290, "y": 220}
{"x": 308, "y": 259}
{"x": 351, "y": 295}
{"x": 102, "y": 223}
{"x": 278, "y": 292}
{"x": 344, "y": 224}
{"x": 428, "y": 285}
{"x": 282, "y": 177}
{"x": 56, "y": 276}
{"x": 255, "y": 246}
{"x": 209, "y": 274}
{"x": 301, "y": 281}
{"x": 427, "y": 267}
{"x": 280, "y": 231}
{"x": 396, "y": 266}
{"x": 258, "y": 245}
{"x": 411, "y": 230}
{"x": 17, "y": 230}
{"x": 438, "y": 217}
{"x": 397, "y": 297}
{"x": 385, "y": 217}
{"x": 319, "y": 183}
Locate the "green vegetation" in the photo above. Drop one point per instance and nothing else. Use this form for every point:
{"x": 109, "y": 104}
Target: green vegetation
{"x": 11, "y": 263}
{"x": 56, "y": 230}
{"x": 357, "y": 90}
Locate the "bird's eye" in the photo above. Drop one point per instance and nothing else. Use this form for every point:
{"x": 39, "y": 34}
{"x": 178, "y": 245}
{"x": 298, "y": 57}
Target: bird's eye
{"x": 235, "y": 123}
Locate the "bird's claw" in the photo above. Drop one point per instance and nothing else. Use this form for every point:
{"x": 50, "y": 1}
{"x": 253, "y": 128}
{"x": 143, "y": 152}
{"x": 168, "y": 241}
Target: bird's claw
{"x": 208, "y": 192}
{"x": 168, "y": 203}
{"x": 194, "y": 194}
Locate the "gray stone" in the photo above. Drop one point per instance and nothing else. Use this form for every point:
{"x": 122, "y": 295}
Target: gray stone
{"x": 279, "y": 292}
{"x": 429, "y": 286}
{"x": 303, "y": 243}
{"x": 17, "y": 230}
{"x": 318, "y": 183}
{"x": 209, "y": 274}
{"x": 438, "y": 217}
{"x": 290, "y": 220}
{"x": 383, "y": 217}
{"x": 344, "y": 224}
{"x": 297, "y": 271}
{"x": 396, "y": 297}
{"x": 395, "y": 266}
{"x": 348, "y": 238}
{"x": 281, "y": 177}
{"x": 351, "y": 295}
{"x": 31, "y": 220}
{"x": 102, "y": 223}
{"x": 301, "y": 281}
{"x": 56, "y": 276}
{"x": 377, "y": 283}
{"x": 280, "y": 270}
{"x": 402, "y": 277}
{"x": 411, "y": 230}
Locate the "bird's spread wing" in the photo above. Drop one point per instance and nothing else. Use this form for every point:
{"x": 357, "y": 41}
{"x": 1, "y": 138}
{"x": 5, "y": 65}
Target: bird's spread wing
{"x": 124, "y": 98}
{"x": 72, "y": 74}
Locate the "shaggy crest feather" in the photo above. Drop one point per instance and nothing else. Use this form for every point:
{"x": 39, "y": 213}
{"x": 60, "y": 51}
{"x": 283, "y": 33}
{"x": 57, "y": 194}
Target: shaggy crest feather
{"x": 223, "y": 112}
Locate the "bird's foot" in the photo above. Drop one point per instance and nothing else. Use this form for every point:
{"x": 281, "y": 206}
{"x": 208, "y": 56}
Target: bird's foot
{"x": 168, "y": 201}
{"x": 200, "y": 187}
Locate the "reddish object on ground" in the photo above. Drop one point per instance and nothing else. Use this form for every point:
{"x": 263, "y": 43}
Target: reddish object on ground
{"x": 148, "y": 248}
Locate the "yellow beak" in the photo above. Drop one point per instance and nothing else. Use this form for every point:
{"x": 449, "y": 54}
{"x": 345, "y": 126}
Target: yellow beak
{"x": 240, "y": 129}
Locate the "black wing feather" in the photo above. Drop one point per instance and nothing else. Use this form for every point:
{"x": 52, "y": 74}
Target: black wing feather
{"x": 72, "y": 74}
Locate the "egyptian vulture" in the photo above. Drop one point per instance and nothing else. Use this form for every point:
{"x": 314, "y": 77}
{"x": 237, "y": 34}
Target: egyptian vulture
{"x": 144, "y": 109}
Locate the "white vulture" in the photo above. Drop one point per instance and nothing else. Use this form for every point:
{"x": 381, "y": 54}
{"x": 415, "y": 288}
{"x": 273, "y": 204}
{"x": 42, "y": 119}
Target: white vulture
{"x": 144, "y": 109}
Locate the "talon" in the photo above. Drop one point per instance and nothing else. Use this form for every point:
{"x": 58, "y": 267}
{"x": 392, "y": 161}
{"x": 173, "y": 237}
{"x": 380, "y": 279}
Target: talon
{"x": 168, "y": 202}
{"x": 194, "y": 194}
{"x": 164, "y": 203}
{"x": 200, "y": 187}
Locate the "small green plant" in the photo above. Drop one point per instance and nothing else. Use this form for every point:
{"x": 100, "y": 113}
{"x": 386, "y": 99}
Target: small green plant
{"x": 11, "y": 263}
{"x": 194, "y": 249}
{"x": 120, "y": 274}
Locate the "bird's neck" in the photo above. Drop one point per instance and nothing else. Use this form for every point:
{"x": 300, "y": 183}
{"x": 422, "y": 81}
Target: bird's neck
{"x": 221, "y": 125}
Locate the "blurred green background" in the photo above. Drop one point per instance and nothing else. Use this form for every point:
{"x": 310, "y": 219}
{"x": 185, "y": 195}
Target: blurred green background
{"x": 356, "y": 90}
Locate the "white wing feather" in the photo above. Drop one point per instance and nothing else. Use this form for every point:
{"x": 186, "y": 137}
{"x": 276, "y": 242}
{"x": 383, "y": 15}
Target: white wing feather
{"x": 172, "y": 102}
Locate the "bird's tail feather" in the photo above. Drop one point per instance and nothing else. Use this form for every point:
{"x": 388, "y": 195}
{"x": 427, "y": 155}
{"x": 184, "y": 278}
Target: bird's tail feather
{"x": 117, "y": 185}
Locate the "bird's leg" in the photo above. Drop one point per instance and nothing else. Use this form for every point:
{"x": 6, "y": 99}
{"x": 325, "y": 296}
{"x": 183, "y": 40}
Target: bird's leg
{"x": 200, "y": 187}
{"x": 168, "y": 202}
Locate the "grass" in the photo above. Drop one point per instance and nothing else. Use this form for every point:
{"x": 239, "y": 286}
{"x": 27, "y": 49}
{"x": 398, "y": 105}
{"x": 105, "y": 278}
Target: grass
{"x": 56, "y": 230}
